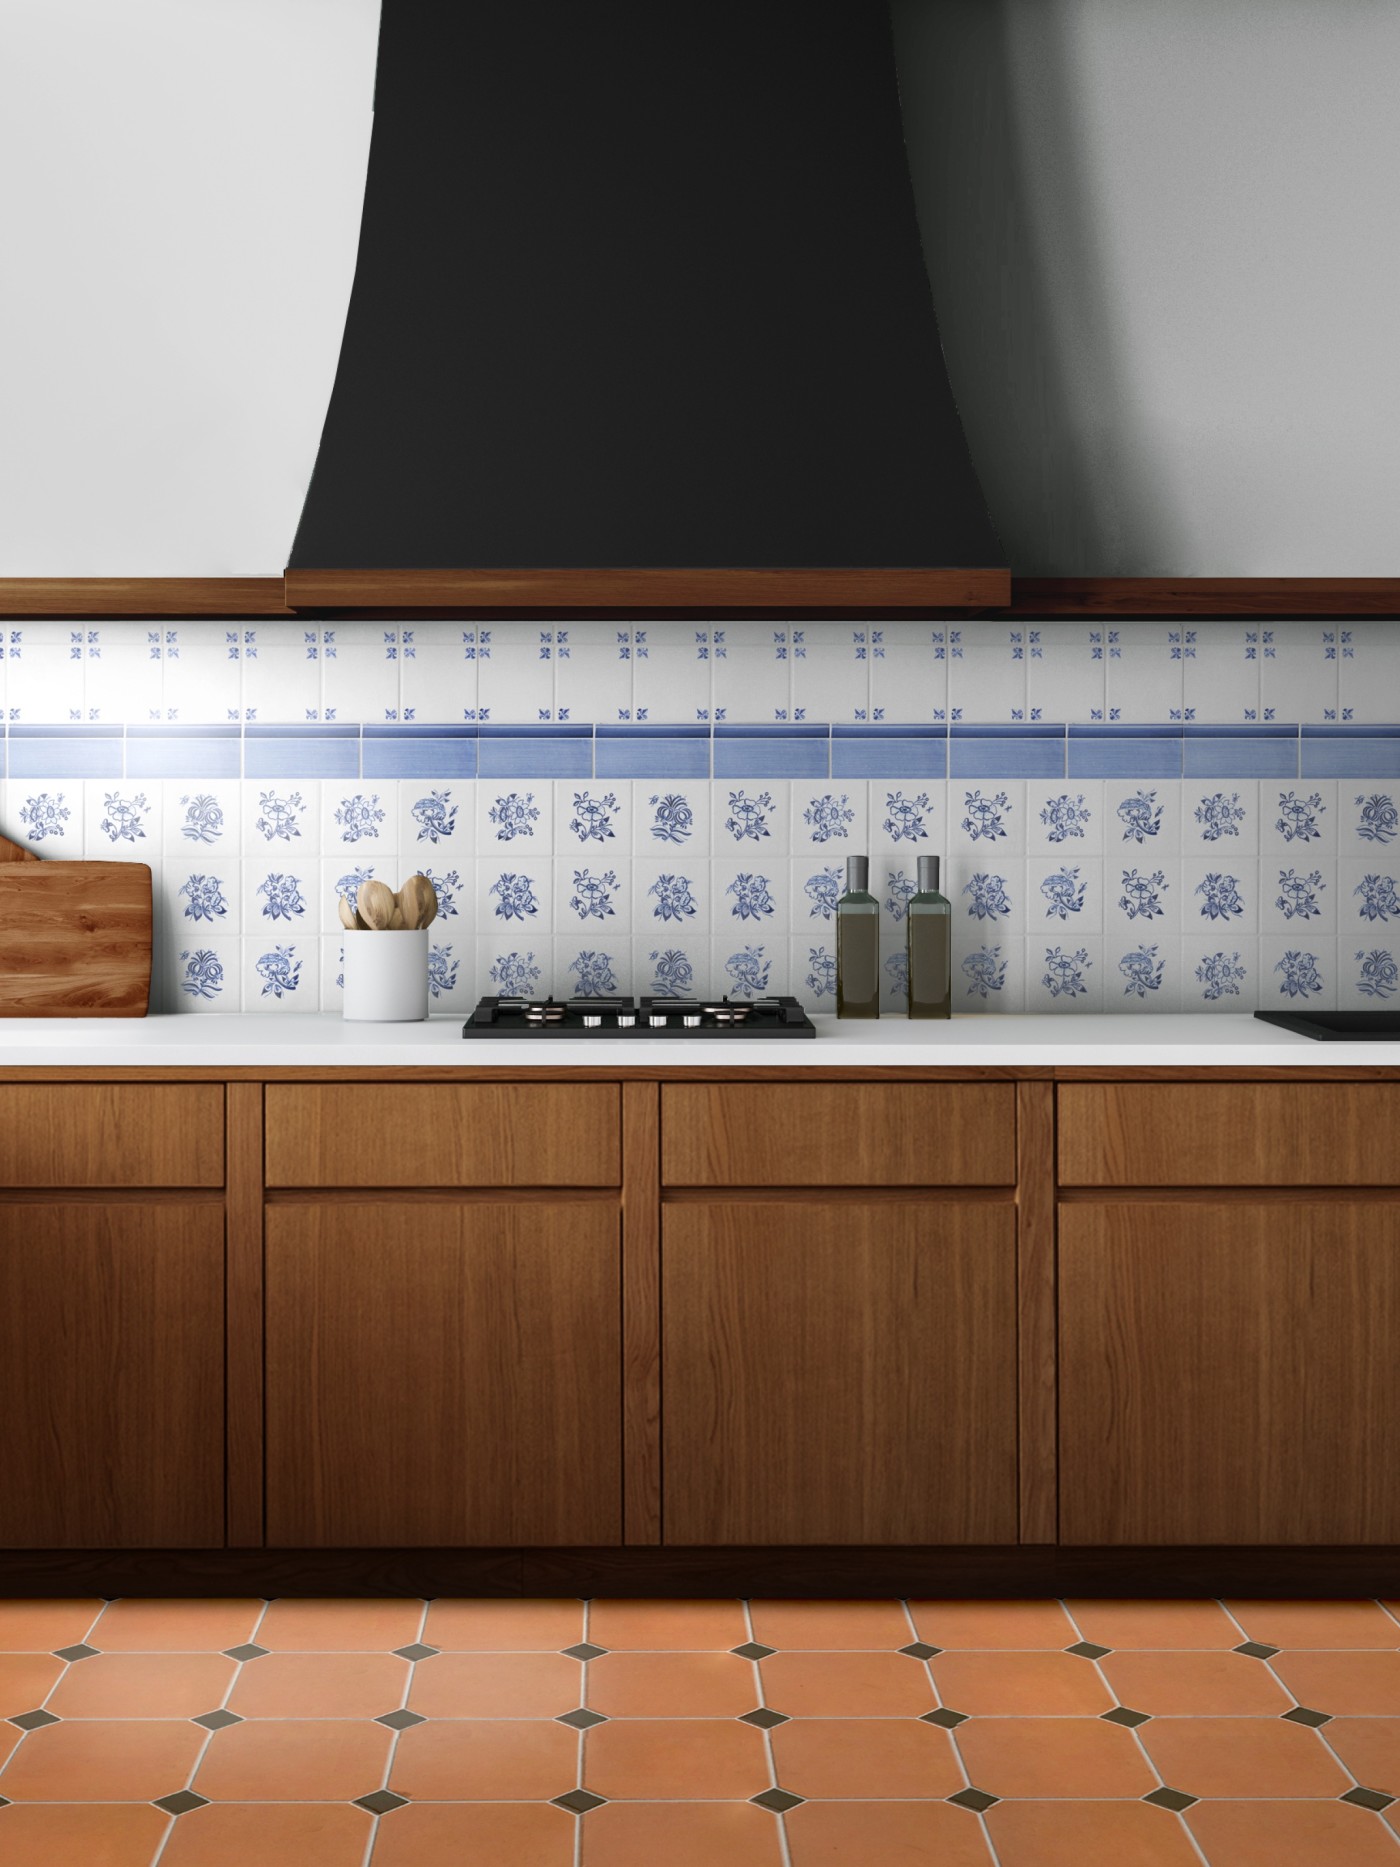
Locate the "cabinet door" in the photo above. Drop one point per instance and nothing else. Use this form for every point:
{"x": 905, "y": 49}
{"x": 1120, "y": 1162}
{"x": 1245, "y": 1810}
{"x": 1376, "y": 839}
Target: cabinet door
{"x": 111, "y": 1375}
{"x": 1229, "y": 1372}
{"x": 443, "y": 1374}
{"x": 839, "y": 1372}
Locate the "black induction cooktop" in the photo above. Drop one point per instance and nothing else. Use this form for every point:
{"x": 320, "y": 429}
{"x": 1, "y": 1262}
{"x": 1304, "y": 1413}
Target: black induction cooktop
{"x": 1376, "y": 1027}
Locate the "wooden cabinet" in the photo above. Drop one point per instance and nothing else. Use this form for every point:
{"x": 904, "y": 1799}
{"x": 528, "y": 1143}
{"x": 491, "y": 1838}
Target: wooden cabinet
{"x": 443, "y": 1373}
{"x": 839, "y": 1372}
{"x": 111, "y": 1134}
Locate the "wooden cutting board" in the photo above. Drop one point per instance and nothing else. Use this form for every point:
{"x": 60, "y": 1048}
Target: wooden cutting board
{"x": 75, "y": 937}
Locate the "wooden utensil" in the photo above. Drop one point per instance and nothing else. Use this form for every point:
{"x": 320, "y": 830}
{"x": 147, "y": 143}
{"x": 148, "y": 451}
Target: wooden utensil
{"x": 419, "y": 901}
{"x": 349, "y": 919}
{"x": 376, "y": 904}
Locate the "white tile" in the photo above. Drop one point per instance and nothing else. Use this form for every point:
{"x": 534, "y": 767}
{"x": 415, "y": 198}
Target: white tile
{"x": 204, "y": 974}
{"x": 593, "y": 963}
{"x": 332, "y": 972}
{"x": 1368, "y": 971}
{"x": 359, "y": 816}
{"x": 514, "y": 817}
{"x": 986, "y": 817}
{"x": 516, "y": 962}
{"x": 455, "y": 886}
{"x": 592, "y": 816}
{"x": 1368, "y": 898}
{"x": 750, "y": 816}
{"x": 1299, "y": 820}
{"x": 200, "y": 900}
{"x": 671, "y": 901}
{"x": 451, "y": 973}
{"x": 1064, "y": 896}
{"x": 1297, "y": 672}
{"x": 43, "y": 679}
{"x": 1219, "y": 971}
{"x": 748, "y": 898}
{"x": 1220, "y": 671}
{"x": 1142, "y": 974}
{"x": 672, "y": 674}
{"x": 812, "y": 966}
{"x": 593, "y": 672}
{"x": 1297, "y": 897}
{"x": 1220, "y": 896}
{"x": 988, "y": 895}
{"x": 515, "y": 672}
{"x": 592, "y": 896}
{"x": 909, "y": 816}
{"x": 281, "y": 815}
{"x": 816, "y": 884}
{"x": 1142, "y": 817}
{"x": 281, "y": 972}
{"x": 670, "y": 818}
{"x": 893, "y": 882}
{"x": 752, "y": 672}
{"x": 1064, "y": 671}
{"x": 672, "y": 962}
{"x": 1145, "y": 681}
{"x": 987, "y": 673}
{"x": 360, "y": 671}
{"x": 202, "y": 682}
{"x": 749, "y": 964}
{"x": 437, "y": 673}
{"x": 830, "y": 815}
{"x": 831, "y": 669}
{"x": 437, "y": 820}
{"x": 282, "y": 899}
{"x": 121, "y": 675}
{"x": 1297, "y": 973}
{"x": 515, "y": 896}
{"x": 1370, "y": 816}
{"x": 122, "y": 817}
{"x": 1065, "y": 817}
{"x": 1142, "y": 896}
{"x": 202, "y": 817}
{"x": 1220, "y": 818}
{"x": 1065, "y": 974}
{"x": 989, "y": 972}
{"x": 281, "y": 673}
{"x": 46, "y": 815}
{"x": 908, "y": 675}
{"x": 1368, "y": 671}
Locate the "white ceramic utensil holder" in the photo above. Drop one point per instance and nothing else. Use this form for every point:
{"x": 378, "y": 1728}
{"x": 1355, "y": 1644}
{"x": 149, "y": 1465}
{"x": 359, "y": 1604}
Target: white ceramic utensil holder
{"x": 386, "y": 976}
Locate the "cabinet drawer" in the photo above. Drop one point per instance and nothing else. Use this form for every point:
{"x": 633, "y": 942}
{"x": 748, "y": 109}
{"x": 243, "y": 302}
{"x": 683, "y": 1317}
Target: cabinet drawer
{"x": 838, "y": 1134}
{"x": 1228, "y": 1134}
{"x": 442, "y": 1134}
{"x": 111, "y": 1134}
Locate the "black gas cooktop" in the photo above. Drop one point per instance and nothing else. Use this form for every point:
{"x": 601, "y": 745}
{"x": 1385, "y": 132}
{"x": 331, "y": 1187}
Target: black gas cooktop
{"x": 1376, "y": 1027}
{"x": 586, "y": 1018}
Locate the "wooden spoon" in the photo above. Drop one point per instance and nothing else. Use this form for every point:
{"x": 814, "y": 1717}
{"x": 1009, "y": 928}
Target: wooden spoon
{"x": 349, "y": 919}
{"x": 419, "y": 901}
{"x": 376, "y": 904}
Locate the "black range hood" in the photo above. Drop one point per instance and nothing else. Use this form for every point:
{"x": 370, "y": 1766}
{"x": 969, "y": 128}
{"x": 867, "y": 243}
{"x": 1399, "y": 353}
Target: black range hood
{"x": 640, "y": 315}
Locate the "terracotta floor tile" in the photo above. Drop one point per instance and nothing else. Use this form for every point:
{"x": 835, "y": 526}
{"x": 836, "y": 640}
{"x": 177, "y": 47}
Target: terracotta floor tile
{"x": 269, "y": 1834}
{"x": 1316, "y": 1623}
{"x": 1242, "y": 1757}
{"x": 501, "y": 1834}
{"x": 1370, "y": 1749}
{"x": 1198, "y": 1685}
{"x": 1163, "y": 1625}
{"x": 122, "y": 1834}
{"x": 143, "y": 1685}
{"x": 669, "y": 1624}
{"x": 681, "y": 1834}
{"x": 1290, "y": 1834}
{"x": 1004, "y": 1626}
{"x": 466, "y": 1626}
{"x": 331, "y": 1760}
{"x": 894, "y": 1834}
{"x": 865, "y": 1626}
{"x": 672, "y": 1685}
{"x": 102, "y": 1762}
{"x": 671, "y": 1759}
{"x": 26, "y": 1679}
{"x": 139, "y": 1626}
{"x": 1049, "y": 1757}
{"x": 1364, "y": 1685}
{"x": 319, "y": 1685}
{"x": 329, "y": 1626}
{"x": 867, "y": 1758}
{"x": 496, "y": 1685}
{"x": 486, "y": 1760}
{"x": 1091, "y": 1834}
{"x": 1044, "y": 1685}
{"x": 846, "y": 1685}
{"x": 40, "y": 1626}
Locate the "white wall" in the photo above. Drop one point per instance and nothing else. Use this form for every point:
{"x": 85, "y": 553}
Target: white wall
{"x": 180, "y": 191}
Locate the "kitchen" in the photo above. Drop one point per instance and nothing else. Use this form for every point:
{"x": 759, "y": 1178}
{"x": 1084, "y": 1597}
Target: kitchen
{"x": 434, "y": 1409}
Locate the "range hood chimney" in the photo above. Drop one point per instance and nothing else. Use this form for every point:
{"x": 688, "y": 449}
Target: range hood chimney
{"x": 640, "y": 317}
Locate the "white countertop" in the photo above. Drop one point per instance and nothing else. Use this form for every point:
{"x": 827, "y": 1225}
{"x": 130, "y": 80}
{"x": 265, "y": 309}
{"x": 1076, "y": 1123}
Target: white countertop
{"x": 250, "y": 1041}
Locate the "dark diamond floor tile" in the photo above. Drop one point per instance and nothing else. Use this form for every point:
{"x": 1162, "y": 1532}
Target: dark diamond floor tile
{"x": 1174, "y": 1799}
{"x": 1367, "y": 1799}
{"x": 80, "y": 1652}
{"x": 763, "y": 1718}
{"x": 975, "y": 1799}
{"x": 1256, "y": 1650}
{"x": 920, "y": 1650}
{"x": 1125, "y": 1715}
{"x": 585, "y": 1650}
{"x": 1304, "y": 1714}
{"x": 217, "y": 1720}
{"x": 776, "y": 1801}
{"x": 246, "y": 1652}
{"x": 1088, "y": 1651}
{"x": 416, "y": 1652}
{"x": 579, "y": 1801}
{"x": 751, "y": 1650}
{"x": 401, "y": 1720}
{"x": 582, "y": 1719}
{"x": 182, "y": 1802}
{"x": 381, "y": 1802}
{"x": 33, "y": 1720}
{"x": 946, "y": 1720}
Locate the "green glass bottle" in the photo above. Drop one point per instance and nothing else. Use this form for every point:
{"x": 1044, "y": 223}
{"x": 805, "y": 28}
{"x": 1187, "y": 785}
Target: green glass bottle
{"x": 930, "y": 937}
{"x": 857, "y": 944}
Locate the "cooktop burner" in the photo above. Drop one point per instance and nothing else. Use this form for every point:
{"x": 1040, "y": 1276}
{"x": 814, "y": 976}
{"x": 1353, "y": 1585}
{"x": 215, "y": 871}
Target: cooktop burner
{"x": 646, "y": 1017}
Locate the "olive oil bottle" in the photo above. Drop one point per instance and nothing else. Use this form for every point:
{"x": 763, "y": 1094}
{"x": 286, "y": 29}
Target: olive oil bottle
{"x": 930, "y": 936}
{"x": 857, "y": 944}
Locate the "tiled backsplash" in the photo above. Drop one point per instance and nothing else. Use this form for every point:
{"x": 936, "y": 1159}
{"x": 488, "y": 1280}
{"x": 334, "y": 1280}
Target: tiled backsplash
{"x": 1140, "y": 818}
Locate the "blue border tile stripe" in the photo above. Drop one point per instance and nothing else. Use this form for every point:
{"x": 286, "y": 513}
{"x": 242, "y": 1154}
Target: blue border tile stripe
{"x": 535, "y": 752}
{"x": 652, "y": 751}
{"x": 889, "y": 752}
{"x": 65, "y": 751}
{"x": 1238, "y": 752}
{"x": 775, "y": 751}
{"x": 184, "y": 752}
{"x": 1350, "y": 752}
{"x": 1036, "y": 751}
{"x": 300, "y": 752}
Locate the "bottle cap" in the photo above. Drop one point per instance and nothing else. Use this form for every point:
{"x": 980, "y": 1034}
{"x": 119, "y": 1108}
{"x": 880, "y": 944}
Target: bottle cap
{"x": 857, "y": 875}
{"x": 928, "y": 875}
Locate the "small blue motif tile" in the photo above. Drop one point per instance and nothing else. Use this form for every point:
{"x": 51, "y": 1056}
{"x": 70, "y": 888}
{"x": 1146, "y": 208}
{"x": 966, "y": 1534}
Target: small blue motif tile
{"x": 668, "y": 818}
{"x": 816, "y": 884}
{"x": 281, "y": 971}
{"x": 909, "y": 665}
{"x": 436, "y": 819}
{"x": 1299, "y": 819}
{"x": 830, "y": 816}
{"x": 1297, "y": 897}
{"x": 1064, "y": 896}
{"x": 515, "y": 819}
{"x": 592, "y": 817}
{"x": 670, "y": 900}
{"x": 1066, "y": 973}
{"x": 1219, "y": 892}
{"x": 749, "y": 897}
{"x": 1368, "y": 972}
{"x": 749, "y": 816}
{"x": 1220, "y": 819}
{"x": 1219, "y": 973}
{"x": 592, "y": 892}
{"x": 515, "y": 895}
{"x": 517, "y": 963}
{"x": 122, "y": 818}
{"x": 281, "y": 815}
{"x": 202, "y": 973}
{"x": 1297, "y": 972}
{"x": 202, "y": 818}
{"x": 672, "y": 964}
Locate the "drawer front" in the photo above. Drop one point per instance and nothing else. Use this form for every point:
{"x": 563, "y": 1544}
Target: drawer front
{"x": 443, "y": 1134}
{"x": 1228, "y": 1134}
{"x": 111, "y": 1134}
{"x": 838, "y": 1134}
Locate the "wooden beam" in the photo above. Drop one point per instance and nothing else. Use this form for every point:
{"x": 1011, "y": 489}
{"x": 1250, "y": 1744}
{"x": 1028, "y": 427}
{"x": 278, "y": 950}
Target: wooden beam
{"x": 641, "y": 1313}
{"x": 243, "y": 1315}
{"x": 141, "y": 596}
{"x": 1035, "y": 1333}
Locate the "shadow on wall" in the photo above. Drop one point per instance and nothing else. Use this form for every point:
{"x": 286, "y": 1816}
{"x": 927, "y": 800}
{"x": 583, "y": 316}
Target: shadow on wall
{"x": 1022, "y": 284}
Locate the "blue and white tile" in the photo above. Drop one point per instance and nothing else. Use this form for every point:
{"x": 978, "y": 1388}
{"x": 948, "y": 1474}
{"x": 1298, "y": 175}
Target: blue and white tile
{"x": 989, "y": 971}
{"x": 751, "y": 815}
{"x": 515, "y": 680}
{"x": 451, "y": 973}
{"x": 359, "y": 815}
{"x": 1220, "y": 672}
{"x": 593, "y": 671}
{"x": 812, "y": 970}
{"x": 1297, "y": 972}
{"x": 592, "y": 894}
{"x": 360, "y": 671}
{"x": 816, "y": 884}
{"x": 332, "y": 972}
{"x": 438, "y": 673}
{"x": 516, "y": 963}
{"x": 831, "y": 666}
{"x": 1064, "y": 896}
{"x": 986, "y": 818}
{"x": 830, "y": 815}
{"x": 281, "y": 666}
{"x": 1368, "y": 897}
{"x": 1220, "y": 972}
{"x": 893, "y": 882}
{"x": 285, "y": 900}
{"x": 122, "y": 819}
{"x": 909, "y": 817}
{"x": 514, "y": 817}
{"x": 988, "y": 896}
{"x": 200, "y": 901}
{"x": 1065, "y": 817}
{"x": 592, "y": 816}
{"x": 121, "y": 681}
{"x": 1220, "y": 817}
{"x": 909, "y": 677}
{"x": 593, "y": 962}
{"x": 1369, "y": 817}
{"x": 670, "y": 901}
{"x": 43, "y": 673}
{"x": 1142, "y": 896}
{"x": 202, "y": 817}
{"x": 1142, "y": 818}
{"x": 1065, "y": 972}
{"x": 341, "y": 875}
{"x": 282, "y": 972}
{"x": 673, "y": 681}
{"x": 672, "y": 962}
{"x": 1368, "y": 688}
{"x": 1297, "y": 896}
{"x": 202, "y": 974}
{"x": 1145, "y": 683}
{"x": 1368, "y": 972}
{"x": 515, "y": 894}
{"x": 987, "y": 674}
{"x": 1143, "y": 974}
{"x": 281, "y": 817}
{"x": 1298, "y": 672}
{"x": 749, "y": 898}
{"x": 751, "y": 672}
{"x": 202, "y": 680}
{"x": 1219, "y": 894}
{"x": 670, "y": 821}
{"x": 750, "y": 964}
{"x": 46, "y": 815}
{"x": 1299, "y": 820}
{"x": 454, "y": 883}
{"x": 1065, "y": 678}
{"x": 437, "y": 821}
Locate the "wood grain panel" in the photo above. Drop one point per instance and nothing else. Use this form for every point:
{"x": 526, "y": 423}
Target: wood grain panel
{"x": 141, "y": 596}
{"x": 111, "y": 1134}
{"x": 1035, "y": 1301}
{"x": 473, "y": 1134}
{"x": 648, "y": 588}
{"x": 443, "y": 1377}
{"x": 839, "y": 1375}
{"x": 838, "y": 1134}
{"x": 641, "y": 1314}
{"x": 75, "y": 939}
{"x": 1206, "y": 596}
{"x": 1229, "y": 1374}
{"x": 1228, "y": 1134}
{"x": 244, "y": 1310}
{"x": 112, "y": 1375}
